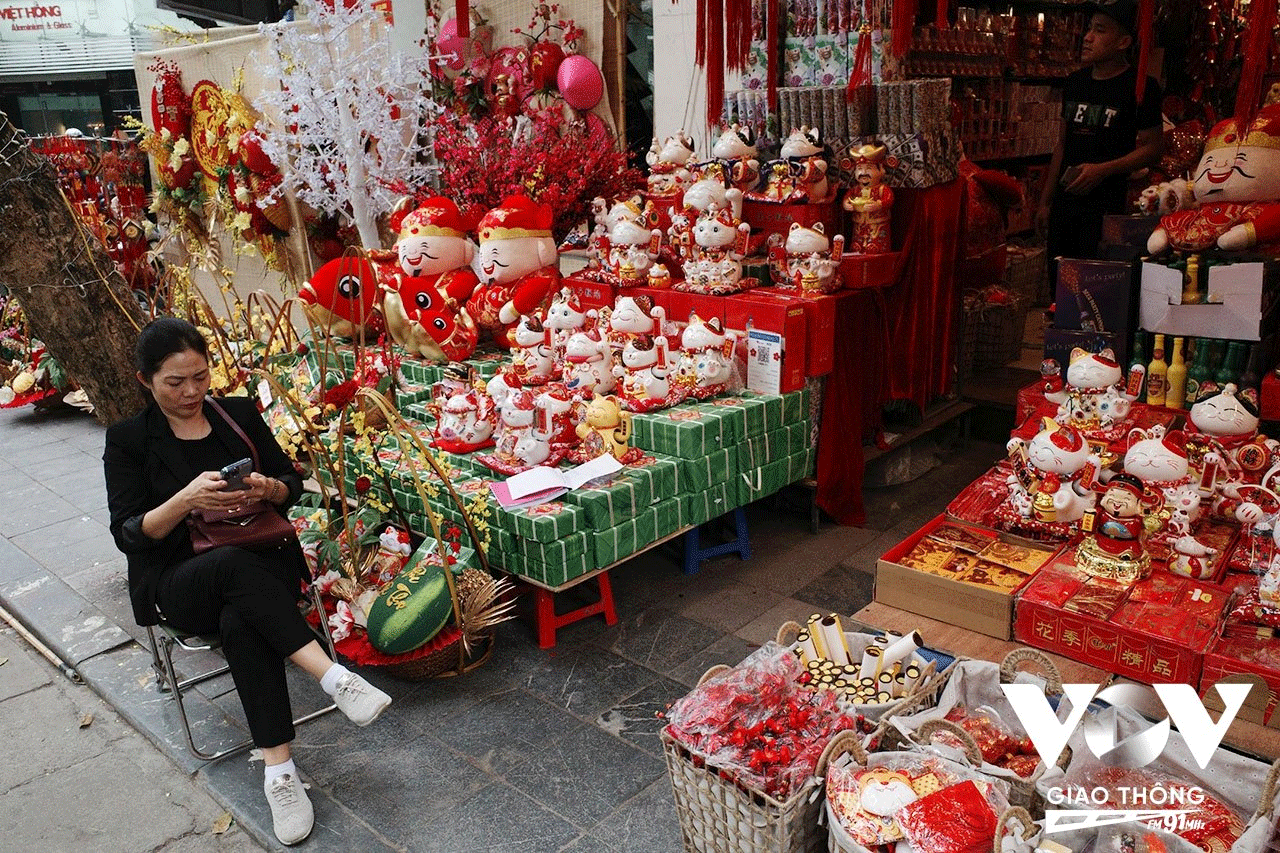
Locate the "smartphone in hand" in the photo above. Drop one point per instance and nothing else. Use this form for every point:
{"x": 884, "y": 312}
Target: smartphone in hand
{"x": 235, "y": 473}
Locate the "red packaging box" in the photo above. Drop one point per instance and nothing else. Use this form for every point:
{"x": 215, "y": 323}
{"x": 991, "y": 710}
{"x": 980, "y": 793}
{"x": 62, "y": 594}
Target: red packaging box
{"x": 820, "y": 326}
{"x": 1252, "y": 656}
{"x": 1144, "y": 639}
{"x": 1270, "y": 397}
{"x": 592, "y": 294}
{"x": 704, "y": 305}
{"x": 782, "y": 317}
{"x": 859, "y": 271}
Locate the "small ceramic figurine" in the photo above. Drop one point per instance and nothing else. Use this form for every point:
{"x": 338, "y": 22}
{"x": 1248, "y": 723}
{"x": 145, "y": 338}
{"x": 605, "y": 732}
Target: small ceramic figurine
{"x": 736, "y": 153}
{"x": 698, "y": 199}
{"x": 1056, "y": 470}
{"x": 1095, "y": 395}
{"x": 1192, "y": 559}
{"x": 631, "y": 318}
{"x": 393, "y": 554}
{"x": 1237, "y": 187}
{"x": 633, "y": 248}
{"x": 714, "y": 265}
{"x": 465, "y": 422}
{"x": 1114, "y": 548}
{"x": 501, "y": 386}
{"x": 800, "y": 173}
{"x": 1159, "y": 460}
{"x": 807, "y": 261}
{"x": 644, "y": 375}
{"x": 704, "y": 368}
{"x": 565, "y": 317}
{"x": 426, "y": 292}
{"x": 870, "y": 202}
{"x": 1223, "y": 440}
{"x": 554, "y": 407}
{"x": 668, "y": 165}
{"x": 588, "y": 364}
{"x": 533, "y": 361}
{"x": 518, "y": 265}
{"x": 604, "y": 428}
{"x": 515, "y": 419}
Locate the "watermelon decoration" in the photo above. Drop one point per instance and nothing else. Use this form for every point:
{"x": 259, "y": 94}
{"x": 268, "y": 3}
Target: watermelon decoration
{"x": 413, "y": 607}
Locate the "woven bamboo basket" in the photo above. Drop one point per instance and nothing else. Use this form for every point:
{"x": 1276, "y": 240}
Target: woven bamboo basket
{"x": 719, "y": 815}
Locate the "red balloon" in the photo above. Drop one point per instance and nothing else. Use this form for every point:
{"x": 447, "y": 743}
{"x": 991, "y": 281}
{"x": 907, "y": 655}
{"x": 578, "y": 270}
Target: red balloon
{"x": 580, "y": 82}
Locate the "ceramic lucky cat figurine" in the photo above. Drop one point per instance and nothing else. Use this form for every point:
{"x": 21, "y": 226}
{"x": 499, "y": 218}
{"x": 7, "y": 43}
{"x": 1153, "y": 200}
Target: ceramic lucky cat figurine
{"x": 644, "y": 376}
{"x": 1222, "y": 436}
{"x": 1056, "y": 468}
{"x": 714, "y": 263}
{"x": 800, "y": 172}
{"x": 588, "y": 364}
{"x": 806, "y": 260}
{"x": 704, "y": 367}
{"x": 1159, "y": 460}
{"x": 533, "y": 360}
{"x": 668, "y": 165}
{"x": 564, "y": 318}
{"x": 1095, "y": 395}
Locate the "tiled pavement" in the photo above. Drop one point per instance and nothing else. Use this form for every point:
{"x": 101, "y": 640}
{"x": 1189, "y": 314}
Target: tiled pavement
{"x": 536, "y": 751}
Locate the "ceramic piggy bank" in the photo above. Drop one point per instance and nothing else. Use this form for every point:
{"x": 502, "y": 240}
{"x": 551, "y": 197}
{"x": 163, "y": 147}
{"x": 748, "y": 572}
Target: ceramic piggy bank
{"x": 644, "y": 375}
{"x": 714, "y": 264}
{"x": 668, "y": 165}
{"x": 1237, "y": 191}
{"x": 466, "y": 423}
{"x": 588, "y": 364}
{"x": 800, "y": 172}
{"x": 705, "y": 364}
{"x": 870, "y": 202}
{"x": 532, "y": 360}
{"x": 807, "y": 260}
{"x": 518, "y": 266}
{"x": 425, "y": 294}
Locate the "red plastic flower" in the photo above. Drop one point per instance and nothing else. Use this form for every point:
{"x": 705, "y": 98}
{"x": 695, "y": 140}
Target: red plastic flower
{"x": 363, "y": 484}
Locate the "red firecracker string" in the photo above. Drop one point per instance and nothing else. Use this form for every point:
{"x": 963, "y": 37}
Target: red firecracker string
{"x": 1257, "y": 55}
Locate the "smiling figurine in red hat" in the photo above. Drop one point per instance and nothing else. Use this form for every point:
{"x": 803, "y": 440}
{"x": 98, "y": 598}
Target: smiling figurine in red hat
{"x": 517, "y": 263}
{"x": 1237, "y": 191}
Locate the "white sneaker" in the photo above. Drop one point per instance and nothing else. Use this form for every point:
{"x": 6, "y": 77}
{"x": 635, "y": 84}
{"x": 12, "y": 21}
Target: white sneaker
{"x": 291, "y": 811}
{"x": 360, "y": 700}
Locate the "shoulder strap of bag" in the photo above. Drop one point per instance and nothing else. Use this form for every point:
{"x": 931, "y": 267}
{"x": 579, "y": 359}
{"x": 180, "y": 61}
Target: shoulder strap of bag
{"x": 253, "y": 450}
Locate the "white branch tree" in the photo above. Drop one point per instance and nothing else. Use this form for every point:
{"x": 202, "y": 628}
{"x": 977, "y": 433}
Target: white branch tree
{"x": 351, "y": 113}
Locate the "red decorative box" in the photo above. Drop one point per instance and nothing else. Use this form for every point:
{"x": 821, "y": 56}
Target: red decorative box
{"x": 592, "y": 294}
{"x": 782, "y": 316}
{"x": 1258, "y": 656}
{"x": 859, "y": 271}
{"x": 1270, "y": 401}
{"x": 1155, "y": 631}
{"x": 772, "y": 218}
{"x": 820, "y": 325}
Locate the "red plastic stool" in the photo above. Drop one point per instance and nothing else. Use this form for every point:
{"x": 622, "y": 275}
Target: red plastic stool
{"x": 547, "y": 621}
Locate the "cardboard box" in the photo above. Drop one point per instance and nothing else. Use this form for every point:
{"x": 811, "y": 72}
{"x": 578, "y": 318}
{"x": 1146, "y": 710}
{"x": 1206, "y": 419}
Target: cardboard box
{"x": 1152, "y": 632}
{"x": 1133, "y": 231}
{"x": 1058, "y": 344}
{"x": 775, "y": 340}
{"x": 987, "y": 610}
{"x": 1241, "y": 302}
{"x": 1095, "y": 296}
{"x": 820, "y": 326}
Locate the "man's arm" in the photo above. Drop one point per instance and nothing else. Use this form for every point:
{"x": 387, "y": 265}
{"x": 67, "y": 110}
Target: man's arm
{"x": 1050, "y": 183}
{"x": 1149, "y": 150}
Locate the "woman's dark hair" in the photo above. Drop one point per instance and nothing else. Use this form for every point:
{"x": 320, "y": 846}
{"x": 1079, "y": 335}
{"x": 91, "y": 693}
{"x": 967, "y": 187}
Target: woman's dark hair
{"x": 162, "y": 338}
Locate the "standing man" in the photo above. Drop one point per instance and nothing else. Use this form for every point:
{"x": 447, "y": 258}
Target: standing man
{"x": 1107, "y": 134}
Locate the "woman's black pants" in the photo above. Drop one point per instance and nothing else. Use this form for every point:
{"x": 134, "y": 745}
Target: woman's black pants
{"x": 251, "y": 601}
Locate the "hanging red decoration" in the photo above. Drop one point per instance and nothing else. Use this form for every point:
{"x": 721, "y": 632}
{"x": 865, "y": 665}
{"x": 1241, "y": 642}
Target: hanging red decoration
{"x": 1146, "y": 15}
{"x": 1258, "y": 46}
{"x": 903, "y": 23}
{"x": 942, "y": 14}
{"x": 860, "y": 78}
{"x": 716, "y": 51}
{"x": 462, "y": 14}
{"x": 771, "y": 48}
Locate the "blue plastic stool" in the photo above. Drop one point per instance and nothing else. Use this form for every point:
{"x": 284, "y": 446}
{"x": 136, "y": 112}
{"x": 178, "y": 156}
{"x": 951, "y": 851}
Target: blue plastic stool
{"x": 694, "y": 554}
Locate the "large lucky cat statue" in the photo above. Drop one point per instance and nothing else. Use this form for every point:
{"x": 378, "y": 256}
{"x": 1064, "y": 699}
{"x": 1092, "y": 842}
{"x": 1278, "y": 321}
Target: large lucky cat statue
{"x": 1055, "y": 469}
{"x": 1237, "y": 191}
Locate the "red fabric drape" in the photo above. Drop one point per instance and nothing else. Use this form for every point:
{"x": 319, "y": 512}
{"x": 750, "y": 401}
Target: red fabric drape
{"x": 895, "y": 344}
{"x": 1257, "y": 55}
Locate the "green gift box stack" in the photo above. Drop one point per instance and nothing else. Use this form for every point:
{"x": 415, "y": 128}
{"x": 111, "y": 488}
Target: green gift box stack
{"x": 685, "y": 431}
{"x": 770, "y": 407}
{"x": 622, "y": 497}
{"x": 564, "y": 550}
{"x": 701, "y": 507}
{"x": 706, "y": 472}
{"x": 420, "y": 372}
{"x": 547, "y": 574}
{"x": 624, "y": 539}
{"x": 542, "y": 522}
{"x": 418, "y": 411}
{"x": 795, "y": 406}
{"x": 773, "y": 446}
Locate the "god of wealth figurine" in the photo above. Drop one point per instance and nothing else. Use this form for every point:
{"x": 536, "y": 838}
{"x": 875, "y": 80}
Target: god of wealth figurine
{"x": 870, "y": 202}
{"x": 1117, "y": 529}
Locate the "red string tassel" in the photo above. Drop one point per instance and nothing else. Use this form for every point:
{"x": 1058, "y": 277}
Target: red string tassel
{"x": 902, "y": 21}
{"x": 1257, "y": 55}
{"x": 1146, "y": 14}
{"x": 942, "y": 14}
{"x": 860, "y": 77}
{"x": 715, "y": 63}
{"x": 738, "y": 15}
{"x": 771, "y": 48}
{"x": 462, "y": 14}
{"x": 700, "y": 39}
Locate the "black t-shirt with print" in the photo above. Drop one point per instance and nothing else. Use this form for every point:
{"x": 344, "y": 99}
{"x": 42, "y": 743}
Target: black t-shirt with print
{"x": 1103, "y": 119}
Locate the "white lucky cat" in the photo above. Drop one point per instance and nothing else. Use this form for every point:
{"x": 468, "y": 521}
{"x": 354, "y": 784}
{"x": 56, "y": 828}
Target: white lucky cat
{"x": 1058, "y": 457}
{"x": 632, "y": 317}
{"x": 644, "y": 375}
{"x": 632, "y": 250}
{"x": 515, "y": 418}
{"x": 588, "y": 364}
{"x": 1159, "y": 460}
{"x": 564, "y": 318}
{"x": 1095, "y": 394}
{"x": 807, "y": 260}
{"x": 1224, "y": 432}
{"x": 534, "y": 361}
{"x": 704, "y": 368}
{"x": 668, "y": 164}
{"x": 735, "y": 150}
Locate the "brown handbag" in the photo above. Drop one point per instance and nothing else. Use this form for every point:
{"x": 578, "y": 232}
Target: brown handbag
{"x": 255, "y": 525}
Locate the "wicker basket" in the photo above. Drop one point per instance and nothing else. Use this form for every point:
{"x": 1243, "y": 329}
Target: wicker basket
{"x": 991, "y": 334}
{"x": 718, "y": 815}
{"x": 1026, "y": 273}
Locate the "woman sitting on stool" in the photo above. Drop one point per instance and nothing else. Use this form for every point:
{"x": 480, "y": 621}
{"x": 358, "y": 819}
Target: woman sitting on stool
{"x": 164, "y": 463}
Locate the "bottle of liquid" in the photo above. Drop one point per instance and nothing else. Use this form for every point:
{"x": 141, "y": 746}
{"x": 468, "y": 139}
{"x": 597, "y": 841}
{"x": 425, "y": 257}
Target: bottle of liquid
{"x": 1191, "y": 293}
{"x": 1156, "y": 372}
{"x": 1137, "y": 367}
{"x": 1199, "y": 370}
{"x": 1232, "y": 365}
{"x": 1252, "y": 376}
{"x": 1175, "y": 392}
